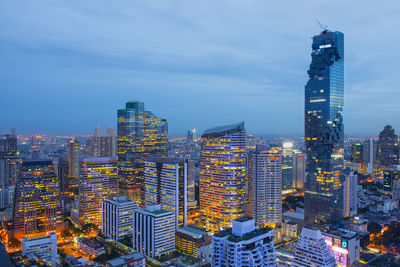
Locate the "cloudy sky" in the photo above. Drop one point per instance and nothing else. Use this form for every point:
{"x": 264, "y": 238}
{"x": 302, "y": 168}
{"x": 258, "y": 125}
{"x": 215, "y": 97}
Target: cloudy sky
{"x": 67, "y": 66}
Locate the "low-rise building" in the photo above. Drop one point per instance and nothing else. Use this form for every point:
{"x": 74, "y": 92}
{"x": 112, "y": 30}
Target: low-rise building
{"x": 244, "y": 245}
{"x": 44, "y": 248}
{"x": 91, "y": 247}
{"x": 131, "y": 260}
{"x": 188, "y": 239}
{"x": 77, "y": 262}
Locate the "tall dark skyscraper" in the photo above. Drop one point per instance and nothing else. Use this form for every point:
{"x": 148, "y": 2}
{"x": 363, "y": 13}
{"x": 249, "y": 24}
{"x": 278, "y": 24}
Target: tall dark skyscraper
{"x": 8, "y": 159}
{"x": 324, "y": 129}
{"x": 140, "y": 134}
{"x": 388, "y": 148}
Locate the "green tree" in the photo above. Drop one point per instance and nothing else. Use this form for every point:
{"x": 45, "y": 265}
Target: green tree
{"x": 14, "y": 243}
{"x": 374, "y": 228}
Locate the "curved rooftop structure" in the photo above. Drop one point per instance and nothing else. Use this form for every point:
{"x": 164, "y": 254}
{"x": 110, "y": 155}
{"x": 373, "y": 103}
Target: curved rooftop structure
{"x": 223, "y": 130}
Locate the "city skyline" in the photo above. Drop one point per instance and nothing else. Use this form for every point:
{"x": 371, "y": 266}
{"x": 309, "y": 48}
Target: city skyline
{"x": 86, "y": 60}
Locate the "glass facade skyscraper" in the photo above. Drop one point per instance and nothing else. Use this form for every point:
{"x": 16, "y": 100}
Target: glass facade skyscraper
{"x": 222, "y": 176}
{"x": 324, "y": 129}
{"x": 140, "y": 134}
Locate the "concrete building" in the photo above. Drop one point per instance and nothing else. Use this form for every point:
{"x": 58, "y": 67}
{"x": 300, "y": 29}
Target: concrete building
{"x": 189, "y": 239}
{"x": 8, "y": 159}
{"x": 102, "y": 145}
{"x": 299, "y": 171}
{"x": 244, "y": 245}
{"x": 73, "y": 154}
{"x": 117, "y": 217}
{"x": 166, "y": 183}
{"x": 42, "y": 247}
{"x": 350, "y": 194}
{"x": 312, "y": 250}
{"x": 265, "y": 186}
{"x": 91, "y": 247}
{"x": 154, "y": 231}
{"x": 131, "y": 260}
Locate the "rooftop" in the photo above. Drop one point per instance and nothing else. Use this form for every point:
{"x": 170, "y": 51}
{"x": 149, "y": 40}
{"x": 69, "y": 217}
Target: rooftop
{"x": 223, "y": 130}
{"x": 192, "y": 231}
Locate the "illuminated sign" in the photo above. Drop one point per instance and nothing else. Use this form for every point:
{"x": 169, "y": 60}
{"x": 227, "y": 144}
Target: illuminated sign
{"x": 338, "y": 248}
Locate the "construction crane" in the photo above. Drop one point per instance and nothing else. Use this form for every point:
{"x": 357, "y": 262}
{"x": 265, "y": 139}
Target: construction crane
{"x": 323, "y": 28}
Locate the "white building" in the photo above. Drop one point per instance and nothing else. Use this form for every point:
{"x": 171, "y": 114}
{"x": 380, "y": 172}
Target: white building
{"x": 312, "y": 250}
{"x": 350, "y": 195}
{"x": 117, "y": 217}
{"x": 154, "y": 231}
{"x": 43, "y": 247}
{"x": 265, "y": 186}
{"x": 244, "y": 245}
{"x": 166, "y": 183}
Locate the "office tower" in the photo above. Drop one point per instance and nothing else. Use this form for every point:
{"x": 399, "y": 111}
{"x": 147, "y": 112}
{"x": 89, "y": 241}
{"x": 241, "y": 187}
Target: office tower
{"x": 100, "y": 145}
{"x": 63, "y": 173}
{"x": 244, "y": 245}
{"x": 43, "y": 247}
{"x": 37, "y": 203}
{"x": 73, "y": 149}
{"x": 344, "y": 245}
{"x": 388, "y": 152}
{"x": 312, "y": 250}
{"x": 370, "y": 151}
{"x": 117, "y": 217}
{"x": 98, "y": 180}
{"x": 357, "y": 153}
{"x": 265, "y": 186}
{"x": 391, "y": 183}
{"x": 287, "y": 165}
{"x": 9, "y": 161}
{"x": 324, "y": 130}
{"x": 191, "y": 135}
{"x": 350, "y": 194}
{"x": 140, "y": 134}
{"x": 166, "y": 183}
{"x": 222, "y": 176}
{"x": 154, "y": 231}
{"x": 189, "y": 239}
{"x": 299, "y": 171}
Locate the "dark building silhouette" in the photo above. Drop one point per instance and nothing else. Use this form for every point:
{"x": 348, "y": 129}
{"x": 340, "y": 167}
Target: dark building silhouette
{"x": 388, "y": 147}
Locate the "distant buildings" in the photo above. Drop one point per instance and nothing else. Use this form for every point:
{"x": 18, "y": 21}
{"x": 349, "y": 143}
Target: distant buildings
{"x": 37, "y": 203}
{"x": 98, "y": 181}
{"x": 191, "y": 135}
{"x": 324, "y": 130}
{"x": 166, "y": 183}
{"x": 102, "y": 145}
{"x": 388, "y": 146}
{"x": 299, "y": 171}
{"x": 154, "y": 231}
{"x": 350, "y": 194}
{"x": 244, "y": 245}
{"x": 117, "y": 217}
{"x": 222, "y": 176}
{"x": 43, "y": 247}
{"x": 265, "y": 186}
{"x": 312, "y": 250}
{"x": 140, "y": 134}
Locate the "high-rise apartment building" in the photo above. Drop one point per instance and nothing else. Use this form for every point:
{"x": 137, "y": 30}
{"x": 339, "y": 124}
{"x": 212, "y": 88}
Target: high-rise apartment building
{"x": 43, "y": 247}
{"x": 244, "y": 245}
{"x": 166, "y": 183}
{"x": 73, "y": 149}
{"x": 154, "y": 231}
{"x": 9, "y": 161}
{"x": 350, "y": 194}
{"x": 357, "y": 153}
{"x": 37, "y": 203}
{"x": 98, "y": 180}
{"x": 265, "y": 186}
{"x": 140, "y": 134}
{"x": 287, "y": 165}
{"x": 388, "y": 148}
{"x": 324, "y": 130}
{"x": 312, "y": 250}
{"x": 117, "y": 217}
{"x": 299, "y": 171}
{"x": 222, "y": 176}
{"x": 102, "y": 145}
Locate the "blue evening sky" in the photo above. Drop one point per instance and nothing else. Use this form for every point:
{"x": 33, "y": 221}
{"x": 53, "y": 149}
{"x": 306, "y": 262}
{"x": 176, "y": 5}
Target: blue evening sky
{"x": 67, "y": 66}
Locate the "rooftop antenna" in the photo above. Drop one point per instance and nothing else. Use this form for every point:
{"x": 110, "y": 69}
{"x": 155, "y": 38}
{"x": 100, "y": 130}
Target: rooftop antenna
{"x": 323, "y": 28}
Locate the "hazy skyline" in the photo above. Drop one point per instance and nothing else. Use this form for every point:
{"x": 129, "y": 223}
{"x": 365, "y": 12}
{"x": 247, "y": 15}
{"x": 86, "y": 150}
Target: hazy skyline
{"x": 67, "y": 66}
